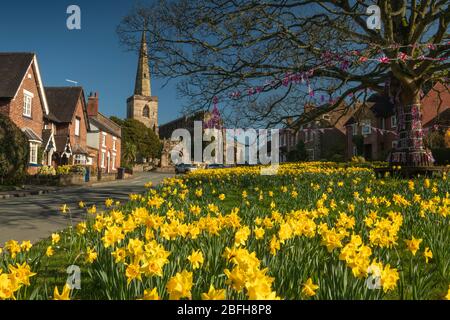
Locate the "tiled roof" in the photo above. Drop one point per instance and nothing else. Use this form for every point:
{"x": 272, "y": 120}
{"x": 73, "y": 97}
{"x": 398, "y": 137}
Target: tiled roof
{"x": 380, "y": 105}
{"x": 77, "y": 149}
{"x": 441, "y": 119}
{"x": 105, "y": 124}
{"x": 12, "y": 70}
{"x": 46, "y": 136}
{"x": 62, "y": 102}
{"x": 31, "y": 135}
{"x": 61, "y": 142}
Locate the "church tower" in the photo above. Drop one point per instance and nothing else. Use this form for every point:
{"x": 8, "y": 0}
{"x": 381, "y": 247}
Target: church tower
{"x": 142, "y": 106}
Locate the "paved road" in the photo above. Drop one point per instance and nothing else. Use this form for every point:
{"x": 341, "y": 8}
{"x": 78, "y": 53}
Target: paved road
{"x": 36, "y": 217}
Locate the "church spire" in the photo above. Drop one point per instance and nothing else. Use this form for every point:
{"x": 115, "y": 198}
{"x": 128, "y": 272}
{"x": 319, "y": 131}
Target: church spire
{"x": 143, "y": 86}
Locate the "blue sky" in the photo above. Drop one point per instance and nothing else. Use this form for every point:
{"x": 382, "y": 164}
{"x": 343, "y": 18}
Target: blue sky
{"x": 92, "y": 56}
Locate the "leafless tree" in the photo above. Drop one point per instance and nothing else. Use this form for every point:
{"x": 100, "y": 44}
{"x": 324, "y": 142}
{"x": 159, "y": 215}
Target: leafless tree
{"x": 253, "y": 56}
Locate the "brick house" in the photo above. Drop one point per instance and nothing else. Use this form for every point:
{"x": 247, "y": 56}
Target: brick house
{"x": 371, "y": 131}
{"x": 373, "y": 128}
{"x": 23, "y": 100}
{"x": 68, "y": 120}
{"x": 103, "y": 140}
{"x": 324, "y": 138}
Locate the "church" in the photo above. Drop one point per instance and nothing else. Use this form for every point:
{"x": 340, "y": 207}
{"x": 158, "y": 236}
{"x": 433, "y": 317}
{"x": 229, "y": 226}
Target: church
{"x": 142, "y": 106}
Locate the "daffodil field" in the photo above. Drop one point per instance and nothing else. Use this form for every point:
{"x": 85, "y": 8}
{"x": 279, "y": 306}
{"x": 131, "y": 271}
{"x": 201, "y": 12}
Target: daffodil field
{"x": 313, "y": 231}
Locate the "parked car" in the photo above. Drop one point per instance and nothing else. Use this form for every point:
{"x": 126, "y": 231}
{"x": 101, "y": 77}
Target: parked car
{"x": 185, "y": 168}
{"x": 215, "y": 166}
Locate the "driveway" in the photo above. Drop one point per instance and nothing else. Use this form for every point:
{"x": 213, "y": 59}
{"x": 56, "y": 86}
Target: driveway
{"x": 36, "y": 217}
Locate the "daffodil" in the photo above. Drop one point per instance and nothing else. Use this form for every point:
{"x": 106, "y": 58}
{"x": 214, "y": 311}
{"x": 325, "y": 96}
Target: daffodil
{"x": 49, "y": 252}
{"x": 151, "y": 294}
{"x": 196, "y": 259}
{"x": 65, "y": 294}
{"x": 428, "y": 254}
{"x": 180, "y": 285}
{"x": 413, "y": 245}
{"x": 309, "y": 288}
{"x": 133, "y": 272}
{"x": 55, "y": 238}
{"x": 64, "y": 208}
{"x": 26, "y": 246}
{"x": 91, "y": 255}
{"x": 81, "y": 228}
{"x": 214, "y": 294}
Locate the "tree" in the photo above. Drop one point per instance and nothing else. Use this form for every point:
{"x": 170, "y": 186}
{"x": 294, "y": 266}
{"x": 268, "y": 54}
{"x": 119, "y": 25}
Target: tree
{"x": 129, "y": 153}
{"x": 138, "y": 141}
{"x": 13, "y": 151}
{"x": 263, "y": 57}
{"x": 299, "y": 153}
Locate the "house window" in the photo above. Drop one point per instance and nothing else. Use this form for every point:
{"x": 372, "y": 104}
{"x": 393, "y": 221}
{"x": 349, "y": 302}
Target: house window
{"x": 114, "y": 143}
{"x": 114, "y": 162}
{"x": 77, "y": 127}
{"x": 354, "y": 129}
{"x": 393, "y": 121}
{"x": 366, "y": 127}
{"x": 27, "y": 103}
{"x": 34, "y": 153}
{"x": 146, "y": 112}
{"x": 394, "y": 144}
{"x": 383, "y": 125}
{"x": 80, "y": 159}
{"x": 355, "y": 151}
{"x": 103, "y": 139}
{"x": 103, "y": 159}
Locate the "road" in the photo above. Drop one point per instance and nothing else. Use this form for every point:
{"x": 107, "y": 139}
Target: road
{"x": 36, "y": 217}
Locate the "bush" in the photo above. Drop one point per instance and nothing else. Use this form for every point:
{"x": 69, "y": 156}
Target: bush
{"x": 358, "y": 159}
{"x": 442, "y": 156}
{"x": 337, "y": 158}
{"x": 78, "y": 169}
{"x": 63, "y": 170}
{"x": 13, "y": 152}
{"x": 46, "y": 171}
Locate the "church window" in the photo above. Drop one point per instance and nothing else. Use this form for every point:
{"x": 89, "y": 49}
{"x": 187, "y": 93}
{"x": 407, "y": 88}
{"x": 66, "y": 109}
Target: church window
{"x": 146, "y": 112}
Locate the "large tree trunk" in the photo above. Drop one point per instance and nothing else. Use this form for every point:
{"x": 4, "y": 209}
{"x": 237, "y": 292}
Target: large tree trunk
{"x": 410, "y": 149}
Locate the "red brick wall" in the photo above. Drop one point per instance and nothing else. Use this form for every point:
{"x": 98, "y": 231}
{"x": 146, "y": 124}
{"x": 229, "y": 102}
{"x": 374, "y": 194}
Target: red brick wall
{"x": 436, "y": 101}
{"x": 81, "y": 139}
{"x": 109, "y": 147}
{"x": 4, "y": 107}
{"x": 36, "y": 122}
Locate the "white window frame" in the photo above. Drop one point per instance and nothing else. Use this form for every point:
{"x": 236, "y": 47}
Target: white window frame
{"x": 34, "y": 152}
{"x": 104, "y": 134}
{"x": 393, "y": 121}
{"x": 77, "y": 126}
{"x": 114, "y": 143}
{"x": 79, "y": 159}
{"x": 113, "y": 161}
{"x": 27, "y": 103}
{"x": 366, "y": 127}
{"x": 103, "y": 159}
{"x": 355, "y": 129}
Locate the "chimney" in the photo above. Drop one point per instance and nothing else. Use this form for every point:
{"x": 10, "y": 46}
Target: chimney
{"x": 92, "y": 107}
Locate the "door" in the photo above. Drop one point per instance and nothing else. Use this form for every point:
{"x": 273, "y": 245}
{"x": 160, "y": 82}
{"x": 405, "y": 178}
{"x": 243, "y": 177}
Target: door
{"x": 108, "y": 161}
{"x": 368, "y": 151}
